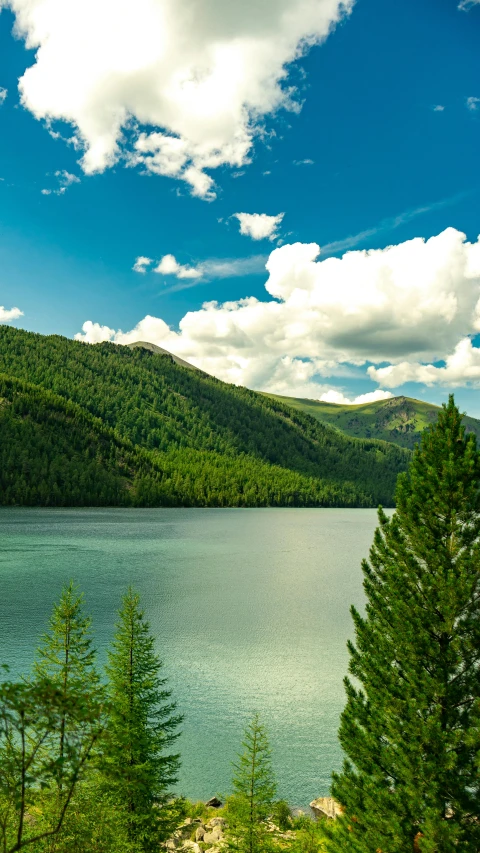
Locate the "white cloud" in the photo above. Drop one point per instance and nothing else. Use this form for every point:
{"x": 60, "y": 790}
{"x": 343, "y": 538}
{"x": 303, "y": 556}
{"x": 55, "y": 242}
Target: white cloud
{"x": 438, "y": 108}
{"x": 205, "y": 270}
{"x": 461, "y": 366}
{"x": 259, "y": 226}
{"x": 141, "y": 264}
{"x": 9, "y": 314}
{"x": 3, "y": 95}
{"x": 233, "y": 267}
{"x": 465, "y": 5}
{"x": 337, "y": 397}
{"x": 306, "y": 162}
{"x": 412, "y": 302}
{"x": 182, "y": 86}
{"x": 94, "y": 333}
{"x": 473, "y": 104}
{"x": 170, "y": 266}
{"x": 64, "y": 181}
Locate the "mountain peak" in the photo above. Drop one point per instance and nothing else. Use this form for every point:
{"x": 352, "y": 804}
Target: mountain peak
{"x": 161, "y": 351}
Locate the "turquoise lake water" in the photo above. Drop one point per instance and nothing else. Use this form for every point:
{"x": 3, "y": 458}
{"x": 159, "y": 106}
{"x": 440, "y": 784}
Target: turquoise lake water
{"x": 250, "y": 609}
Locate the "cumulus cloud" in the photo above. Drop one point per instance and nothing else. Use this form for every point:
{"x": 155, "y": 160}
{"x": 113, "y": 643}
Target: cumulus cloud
{"x": 179, "y": 86}
{"x": 412, "y": 302}
{"x": 305, "y": 162}
{"x": 9, "y": 314}
{"x": 473, "y": 104}
{"x": 141, "y": 264}
{"x": 462, "y": 366}
{"x": 3, "y": 94}
{"x": 438, "y": 108}
{"x": 94, "y": 333}
{"x": 170, "y": 266}
{"x": 259, "y": 226}
{"x": 337, "y": 397}
{"x": 64, "y": 181}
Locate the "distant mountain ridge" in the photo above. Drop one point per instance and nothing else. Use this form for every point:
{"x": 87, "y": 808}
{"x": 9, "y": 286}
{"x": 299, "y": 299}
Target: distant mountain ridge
{"x": 162, "y": 433}
{"x": 399, "y": 420}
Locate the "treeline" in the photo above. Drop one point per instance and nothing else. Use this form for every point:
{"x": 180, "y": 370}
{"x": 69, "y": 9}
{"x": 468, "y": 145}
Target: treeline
{"x": 162, "y": 434}
{"x": 54, "y": 453}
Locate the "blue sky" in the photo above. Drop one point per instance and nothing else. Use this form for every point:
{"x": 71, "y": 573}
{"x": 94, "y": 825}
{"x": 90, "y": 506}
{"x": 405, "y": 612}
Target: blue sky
{"x": 386, "y": 112}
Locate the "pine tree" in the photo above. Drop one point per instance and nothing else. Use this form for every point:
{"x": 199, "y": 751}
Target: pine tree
{"x": 142, "y": 727}
{"x": 254, "y": 790}
{"x": 67, "y": 660}
{"x": 49, "y": 729}
{"x": 411, "y": 725}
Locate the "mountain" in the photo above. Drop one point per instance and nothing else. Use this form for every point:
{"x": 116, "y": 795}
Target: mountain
{"x": 160, "y": 351}
{"x": 54, "y": 453}
{"x": 171, "y": 435}
{"x": 399, "y": 420}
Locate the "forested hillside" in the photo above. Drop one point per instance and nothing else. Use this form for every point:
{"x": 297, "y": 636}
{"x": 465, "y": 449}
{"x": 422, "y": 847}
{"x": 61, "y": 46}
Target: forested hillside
{"x": 54, "y": 453}
{"x": 168, "y": 435}
{"x": 400, "y": 420}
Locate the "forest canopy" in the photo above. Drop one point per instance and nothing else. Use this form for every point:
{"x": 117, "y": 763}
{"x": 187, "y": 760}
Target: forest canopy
{"x": 111, "y": 425}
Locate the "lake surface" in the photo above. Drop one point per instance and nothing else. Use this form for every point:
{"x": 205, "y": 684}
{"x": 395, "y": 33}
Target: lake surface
{"x": 250, "y": 609}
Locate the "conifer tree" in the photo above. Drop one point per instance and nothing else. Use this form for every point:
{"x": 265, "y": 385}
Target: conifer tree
{"x": 49, "y": 730}
{"x": 254, "y": 790}
{"x": 411, "y": 725}
{"x": 142, "y": 727}
{"x": 67, "y": 660}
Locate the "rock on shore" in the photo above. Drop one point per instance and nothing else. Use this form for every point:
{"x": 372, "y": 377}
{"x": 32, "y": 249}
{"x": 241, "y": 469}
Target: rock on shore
{"x": 326, "y": 807}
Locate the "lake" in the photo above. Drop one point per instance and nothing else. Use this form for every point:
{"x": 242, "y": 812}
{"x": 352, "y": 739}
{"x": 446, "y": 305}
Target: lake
{"x": 250, "y": 610}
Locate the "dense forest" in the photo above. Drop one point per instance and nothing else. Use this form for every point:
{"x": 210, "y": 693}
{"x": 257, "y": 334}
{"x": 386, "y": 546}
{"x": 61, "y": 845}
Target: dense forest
{"x": 105, "y": 424}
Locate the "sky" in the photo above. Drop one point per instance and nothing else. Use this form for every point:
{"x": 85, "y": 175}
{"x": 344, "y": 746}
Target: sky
{"x": 283, "y": 192}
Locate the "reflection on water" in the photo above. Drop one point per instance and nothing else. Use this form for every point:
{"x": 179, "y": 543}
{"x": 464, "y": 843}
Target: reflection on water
{"x": 250, "y": 609}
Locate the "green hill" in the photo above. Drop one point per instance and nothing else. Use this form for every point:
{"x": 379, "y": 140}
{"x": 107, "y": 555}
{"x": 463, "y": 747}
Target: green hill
{"x": 54, "y": 453}
{"x": 165, "y": 434}
{"x": 399, "y": 420}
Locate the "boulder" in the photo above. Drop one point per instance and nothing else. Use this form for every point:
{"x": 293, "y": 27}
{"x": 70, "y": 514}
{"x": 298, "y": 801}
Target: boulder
{"x": 191, "y": 846}
{"x": 200, "y": 833}
{"x": 326, "y": 807}
{"x": 216, "y": 821}
{"x": 214, "y": 803}
{"x": 214, "y": 836}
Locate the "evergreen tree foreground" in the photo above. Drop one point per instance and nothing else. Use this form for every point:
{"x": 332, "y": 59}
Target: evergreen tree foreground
{"x": 142, "y": 726}
{"x": 411, "y": 725}
{"x": 254, "y": 790}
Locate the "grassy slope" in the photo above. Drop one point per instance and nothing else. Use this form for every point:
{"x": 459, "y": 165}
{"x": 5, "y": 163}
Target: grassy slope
{"x": 209, "y": 443}
{"x": 400, "y": 420}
